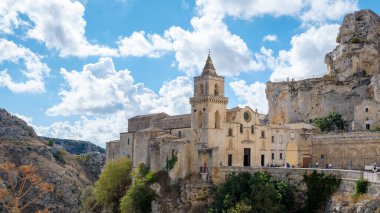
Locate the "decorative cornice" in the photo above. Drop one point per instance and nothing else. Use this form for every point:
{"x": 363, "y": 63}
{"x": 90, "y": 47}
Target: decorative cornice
{"x": 213, "y": 99}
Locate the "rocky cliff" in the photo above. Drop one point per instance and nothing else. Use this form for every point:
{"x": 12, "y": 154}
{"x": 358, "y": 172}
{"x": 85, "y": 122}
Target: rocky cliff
{"x": 68, "y": 173}
{"x": 352, "y": 77}
{"x": 75, "y": 146}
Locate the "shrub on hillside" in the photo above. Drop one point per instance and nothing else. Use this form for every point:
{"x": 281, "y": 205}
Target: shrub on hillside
{"x": 139, "y": 196}
{"x": 113, "y": 182}
{"x": 361, "y": 186}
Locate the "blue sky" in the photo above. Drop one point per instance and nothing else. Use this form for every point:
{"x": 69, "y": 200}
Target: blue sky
{"x": 80, "y": 69}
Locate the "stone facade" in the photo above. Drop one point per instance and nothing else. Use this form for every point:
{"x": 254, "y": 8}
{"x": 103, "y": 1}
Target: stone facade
{"x": 352, "y": 150}
{"x": 211, "y": 136}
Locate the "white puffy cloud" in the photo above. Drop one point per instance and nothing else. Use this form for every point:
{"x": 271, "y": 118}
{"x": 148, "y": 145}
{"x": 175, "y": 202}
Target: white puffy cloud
{"x": 137, "y": 45}
{"x": 252, "y": 95}
{"x": 34, "y": 71}
{"x": 100, "y": 89}
{"x": 58, "y": 24}
{"x": 246, "y": 9}
{"x": 229, "y": 52}
{"x": 174, "y": 96}
{"x": 322, "y": 11}
{"x": 270, "y": 37}
{"x": 308, "y": 11}
{"x": 98, "y": 130}
{"x": 106, "y": 98}
{"x": 306, "y": 57}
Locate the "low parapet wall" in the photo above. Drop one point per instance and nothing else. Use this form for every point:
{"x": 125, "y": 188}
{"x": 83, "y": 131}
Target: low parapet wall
{"x": 282, "y": 173}
{"x": 295, "y": 176}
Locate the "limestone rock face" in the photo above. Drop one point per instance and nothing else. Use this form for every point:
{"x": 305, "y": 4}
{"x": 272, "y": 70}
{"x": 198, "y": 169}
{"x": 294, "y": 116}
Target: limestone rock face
{"x": 343, "y": 203}
{"x": 352, "y": 77}
{"x": 189, "y": 195}
{"x": 12, "y": 126}
{"x": 363, "y": 24}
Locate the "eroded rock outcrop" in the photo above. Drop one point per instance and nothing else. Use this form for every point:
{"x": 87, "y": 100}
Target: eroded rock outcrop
{"x": 353, "y": 69}
{"x": 69, "y": 174}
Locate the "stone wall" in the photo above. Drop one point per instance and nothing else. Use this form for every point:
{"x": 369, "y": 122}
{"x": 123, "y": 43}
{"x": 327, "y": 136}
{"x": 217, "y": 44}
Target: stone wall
{"x": 295, "y": 176}
{"x": 351, "y": 150}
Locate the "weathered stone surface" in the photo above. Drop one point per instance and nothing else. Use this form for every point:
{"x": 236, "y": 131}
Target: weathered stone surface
{"x": 344, "y": 203}
{"x": 12, "y": 126}
{"x": 352, "y": 78}
{"x": 189, "y": 195}
{"x": 363, "y": 24}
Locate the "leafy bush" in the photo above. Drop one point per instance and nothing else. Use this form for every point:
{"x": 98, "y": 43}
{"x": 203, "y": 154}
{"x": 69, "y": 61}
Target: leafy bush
{"x": 83, "y": 158}
{"x": 50, "y": 143}
{"x": 331, "y": 122}
{"x": 319, "y": 188}
{"x": 376, "y": 129}
{"x": 252, "y": 193}
{"x": 113, "y": 183}
{"x": 60, "y": 155}
{"x": 356, "y": 40}
{"x": 171, "y": 163}
{"x": 140, "y": 196}
{"x": 361, "y": 186}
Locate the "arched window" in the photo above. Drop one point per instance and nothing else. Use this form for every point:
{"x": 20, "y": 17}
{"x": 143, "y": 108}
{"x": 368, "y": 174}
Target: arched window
{"x": 199, "y": 119}
{"x": 216, "y": 90}
{"x": 201, "y": 89}
{"x": 217, "y": 120}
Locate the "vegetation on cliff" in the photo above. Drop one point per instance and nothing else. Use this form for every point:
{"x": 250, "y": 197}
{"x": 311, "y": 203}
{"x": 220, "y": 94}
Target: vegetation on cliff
{"x": 319, "y": 189}
{"x": 139, "y": 196}
{"x": 113, "y": 183}
{"x": 259, "y": 192}
{"x": 119, "y": 188}
{"x": 331, "y": 122}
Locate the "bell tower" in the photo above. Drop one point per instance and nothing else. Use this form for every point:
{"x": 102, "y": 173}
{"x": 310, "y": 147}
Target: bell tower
{"x": 208, "y": 107}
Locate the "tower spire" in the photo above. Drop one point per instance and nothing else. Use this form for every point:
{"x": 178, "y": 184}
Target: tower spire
{"x": 209, "y": 68}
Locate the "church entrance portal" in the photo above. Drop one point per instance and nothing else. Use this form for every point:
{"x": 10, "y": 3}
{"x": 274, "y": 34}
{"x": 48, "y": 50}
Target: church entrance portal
{"x": 247, "y": 157}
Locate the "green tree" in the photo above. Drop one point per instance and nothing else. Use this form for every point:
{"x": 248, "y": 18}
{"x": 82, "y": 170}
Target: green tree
{"x": 319, "y": 188}
{"x": 113, "y": 183}
{"x": 331, "y": 122}
{"x": 139, "y": 196}
{"x": 252, "y": 193}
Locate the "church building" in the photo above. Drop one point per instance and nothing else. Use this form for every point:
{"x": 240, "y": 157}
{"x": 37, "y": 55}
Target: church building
{"x": 211, "y": 136}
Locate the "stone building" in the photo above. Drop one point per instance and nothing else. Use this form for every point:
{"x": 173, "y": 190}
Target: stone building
{"x": 211, "y": 136}
{"x": 350, "y": 87}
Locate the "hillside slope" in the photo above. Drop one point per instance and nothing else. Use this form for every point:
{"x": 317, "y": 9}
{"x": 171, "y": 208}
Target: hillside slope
{"x": 68, "y": 173}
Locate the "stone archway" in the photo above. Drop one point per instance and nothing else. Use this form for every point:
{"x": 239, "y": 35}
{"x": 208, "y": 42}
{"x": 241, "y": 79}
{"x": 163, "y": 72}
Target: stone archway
{"x": 291, "y": 155}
